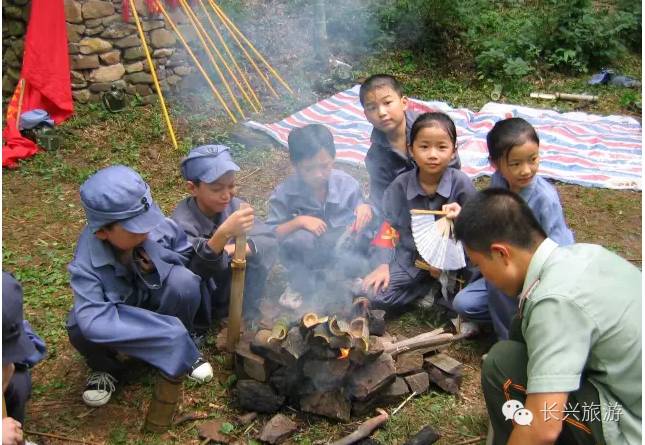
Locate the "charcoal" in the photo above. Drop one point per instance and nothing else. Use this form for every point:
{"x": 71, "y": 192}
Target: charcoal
{"x": 426, "y": 436}
{"x": 257, "y": 396}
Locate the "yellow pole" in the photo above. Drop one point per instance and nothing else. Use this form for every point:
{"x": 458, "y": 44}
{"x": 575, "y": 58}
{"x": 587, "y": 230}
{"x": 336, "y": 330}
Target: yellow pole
{"x": 199, "y": 66}
{"x": 200, "y": 29}
{"x": 241, "y": 73}
{"x": 142, "y": 36}
{"x": 257, "y": 53}
{"x": 248, "y": 56}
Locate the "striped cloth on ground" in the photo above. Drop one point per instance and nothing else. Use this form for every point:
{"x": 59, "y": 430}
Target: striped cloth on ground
{"x": 576, "y": 147}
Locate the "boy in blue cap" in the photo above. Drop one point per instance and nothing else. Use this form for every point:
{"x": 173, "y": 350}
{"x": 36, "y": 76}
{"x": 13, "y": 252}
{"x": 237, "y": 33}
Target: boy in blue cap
{"x": 312, "y": 211}
{"x": 133, "y": 292}
{"x": 211, "y": 218}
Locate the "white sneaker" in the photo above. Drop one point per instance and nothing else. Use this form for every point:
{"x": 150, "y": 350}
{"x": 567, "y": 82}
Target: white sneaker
{"x": 99, "y": 389}
{"x": 201, "y": 372}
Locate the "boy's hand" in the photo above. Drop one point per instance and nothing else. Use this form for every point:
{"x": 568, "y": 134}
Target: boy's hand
{"x": 315, "y": 225}
{"x": 434, "y": 272}
{"x": 453, "y": 209}
{"x": 378, "y": 279}
{"x": 238, "y": 222}
{"x": 230, "y": 249}
{"x": 363, "y": 214}
{"x": 11, "y": 432}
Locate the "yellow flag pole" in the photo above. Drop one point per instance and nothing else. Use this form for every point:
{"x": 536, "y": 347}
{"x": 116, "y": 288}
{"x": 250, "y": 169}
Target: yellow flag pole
{"x": 241, "y": 73}
{"x": 248, "y": 56}
{"x": 201, "y": 33}
{"x": 199, "y": 65}
{"x": 142, "y": 36}
{"x": 257, "y": 53}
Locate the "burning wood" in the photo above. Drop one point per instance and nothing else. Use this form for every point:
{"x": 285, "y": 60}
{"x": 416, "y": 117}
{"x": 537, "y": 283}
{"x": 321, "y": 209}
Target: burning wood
{"x": 279, "y": 331}
{"x": 311, "y": 319}
{"x": 360, "y": 333}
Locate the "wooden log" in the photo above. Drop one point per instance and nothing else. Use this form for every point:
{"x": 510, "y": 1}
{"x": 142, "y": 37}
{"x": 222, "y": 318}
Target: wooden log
{"x": 365, "y": 429}
{"x": 421, "y": 341}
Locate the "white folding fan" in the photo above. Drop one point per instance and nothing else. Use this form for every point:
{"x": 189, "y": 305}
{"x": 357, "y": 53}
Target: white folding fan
{"x": 435, "y": 240}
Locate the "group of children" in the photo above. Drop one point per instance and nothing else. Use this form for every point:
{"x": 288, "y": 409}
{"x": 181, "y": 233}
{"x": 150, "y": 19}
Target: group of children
{"x": 149, "y": 287}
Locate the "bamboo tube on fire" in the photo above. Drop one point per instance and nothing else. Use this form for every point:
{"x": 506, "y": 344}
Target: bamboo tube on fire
{"x": 238, "y": 266}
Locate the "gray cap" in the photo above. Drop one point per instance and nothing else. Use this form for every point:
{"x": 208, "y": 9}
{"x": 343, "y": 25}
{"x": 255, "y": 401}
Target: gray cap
{"x": 207, "y": 163}
{"x": 16, "y": 346}
{"x": 119, "y": 194}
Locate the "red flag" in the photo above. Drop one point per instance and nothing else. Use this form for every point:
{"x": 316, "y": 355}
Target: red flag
{"x": 387, "y": 236}
{"x": 45, "y": 70}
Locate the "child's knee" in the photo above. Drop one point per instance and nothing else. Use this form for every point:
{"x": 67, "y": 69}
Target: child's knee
{"x": 184, "y": 284}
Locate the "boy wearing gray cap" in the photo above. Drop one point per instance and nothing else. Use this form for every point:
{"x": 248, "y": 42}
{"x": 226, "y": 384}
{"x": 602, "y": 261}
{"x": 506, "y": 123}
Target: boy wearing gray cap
{"x": 133, "y": 291}
{"x": 211, "y": 217}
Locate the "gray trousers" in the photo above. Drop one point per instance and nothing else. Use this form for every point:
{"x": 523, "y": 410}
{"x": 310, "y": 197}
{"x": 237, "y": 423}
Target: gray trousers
{"x": 18, "y": 393}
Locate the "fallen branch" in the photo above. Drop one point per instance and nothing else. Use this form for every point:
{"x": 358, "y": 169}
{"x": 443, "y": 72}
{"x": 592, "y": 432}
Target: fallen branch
{"x": 56, "y": 436}
{"x": 364, "y": 429}
{"x": 189, "y": 416}
{"x": 421, "y": 341}
{"x": 398, "y": 408}
{"x": 470, "y": 441}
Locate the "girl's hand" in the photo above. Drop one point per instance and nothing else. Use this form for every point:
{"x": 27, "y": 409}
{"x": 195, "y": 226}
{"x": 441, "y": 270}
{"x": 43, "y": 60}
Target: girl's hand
{"x": 363, "y": 214}
{"x": 378, "y": 279}
{"x": 453, "y": 209}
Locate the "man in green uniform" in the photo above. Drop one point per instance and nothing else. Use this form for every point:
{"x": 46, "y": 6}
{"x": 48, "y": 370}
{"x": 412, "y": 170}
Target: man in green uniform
{"x": 571, "y": 370}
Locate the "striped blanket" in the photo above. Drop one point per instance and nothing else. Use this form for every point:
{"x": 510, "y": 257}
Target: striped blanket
{"x": 578, "y": 148}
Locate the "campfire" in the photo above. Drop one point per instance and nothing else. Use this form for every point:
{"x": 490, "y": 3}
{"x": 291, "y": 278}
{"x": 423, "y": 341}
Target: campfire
{"x": 334, "y": 365}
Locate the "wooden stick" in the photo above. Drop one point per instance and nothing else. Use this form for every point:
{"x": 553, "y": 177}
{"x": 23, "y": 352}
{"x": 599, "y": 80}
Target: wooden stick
{"x": 255, "y": 51}
{"x": 470, "y": 441}
{"x": 398, "y": 408}
{"x": 364, "y": 429}
{"x": 22, "y": 84}
{"x": 238, "y": 264}
{"x": 421, "y": 341}
{"x": 241, "y": 46}
{"x": 199, "y": 30}
{"x": 217, "y": 94}
{"x": 56, "y": 436}
{"x": 144, "y": 44}
{"x": 427, "y": 212}
{"x": 255, "y": 102}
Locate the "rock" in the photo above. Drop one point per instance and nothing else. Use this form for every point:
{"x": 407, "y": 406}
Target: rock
{"x": 105, "y": 86}
{"x": 73, "y": 48}
{"x": 212, "y": 430}
{"x": 74, "y": 32}
{"x": 162, "y": 38}
{"x": 73, "y": 12}
{"x": 81, "y": 62}
{"x": 426, "y": 436}
{"x": 128, "y": 42}
{"x": 81, "y": 96}
{"x": 107, "y": 73}
{"x": 418, "y": 383}
{"x": 111, "y": 57}
{"x": 10, "y": 58}
{"x": 77, "y": 79}
{"x": 20, "y": 2}
{"x": 173, "y": 80}
{"x": 149, "y": 25}
{"x": 93, "y": 9}
{"x": 18, "y": 46}
{"x": 134, "y": 53}
{"x": 13, "y": 28}
{"x": 134, "y": 67}
{"x": 163, "y": 52}
{"x": 13, "y": 74}
{"x": 93, "y": 31}
{"x": 93, "y": 23}
{"x": 277, "y": 429}
{"x": 139, "y": 77}
{"x": 183, "y": 70}
{"x": 142, "y": 89}
{"x": 372, "y": 377}
{"x": 107, "y": 21}
{"x": 8, "y": 85}
{"x": 256, "y": 396}
{"x": 391, "y": 394}
{"x": 26, "y": 11}
{"x": 409, "y": 363}
{"x": 177, "y": 59}
{"x": 332, "y": 404}
{"x": 326, "y": 374}
{"x": 94, "y": 45}
{"x": 12, "y": 11}
{"x": 118, "y": 30}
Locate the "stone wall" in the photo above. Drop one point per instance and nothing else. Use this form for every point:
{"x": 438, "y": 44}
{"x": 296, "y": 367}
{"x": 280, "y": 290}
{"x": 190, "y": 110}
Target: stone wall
{"x": 103, "y": 48}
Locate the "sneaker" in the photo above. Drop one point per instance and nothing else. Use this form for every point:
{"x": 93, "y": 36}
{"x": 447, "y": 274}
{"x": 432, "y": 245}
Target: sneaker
{"x": 428, "y": 300}
{"x": 201, "y": 371}
{"x": 466, "y": 328}
{"x": 99, "y": 389}
{"x": 290, "y": 298}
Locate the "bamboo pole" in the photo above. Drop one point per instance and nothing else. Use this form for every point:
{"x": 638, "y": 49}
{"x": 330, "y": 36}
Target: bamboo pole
{"x": 239, "y": 70}
{"x": 255, "y": 51}
{"x": 217, "y": 94}
{"x": 427, "y": 212}
{"x": 199, "y": 30}
{"x": 21, "y": 97}
{"x": 142, "y": 36}
{"x": 236, "y": 302}
{"x": 246, "y": 53}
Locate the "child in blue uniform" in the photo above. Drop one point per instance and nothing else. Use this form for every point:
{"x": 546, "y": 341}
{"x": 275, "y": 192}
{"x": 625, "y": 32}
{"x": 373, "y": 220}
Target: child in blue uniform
{"x": 133, "y": 293}
{"x": 211, "y": 217}
{"x": 432, "y": 184}
{"x": 311, "y": 210}
{"x": 513, "y": 147}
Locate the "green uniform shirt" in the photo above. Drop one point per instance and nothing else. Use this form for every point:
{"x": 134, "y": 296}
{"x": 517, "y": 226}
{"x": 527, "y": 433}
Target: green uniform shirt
{"x": 582, "y": 317}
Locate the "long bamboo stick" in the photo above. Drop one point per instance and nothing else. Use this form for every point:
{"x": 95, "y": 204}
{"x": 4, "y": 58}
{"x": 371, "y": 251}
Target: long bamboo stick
{"x": 236, "y": 302}
{"x": 199, "y": 30}
{"x": 142, "y": 36}
{"x": 244, "y": 51}
{"x": 239, "y": 70}
{"x": 255, "y": 51}
{"x": 21, "y": 97}
{"x": 199, "y": 65}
